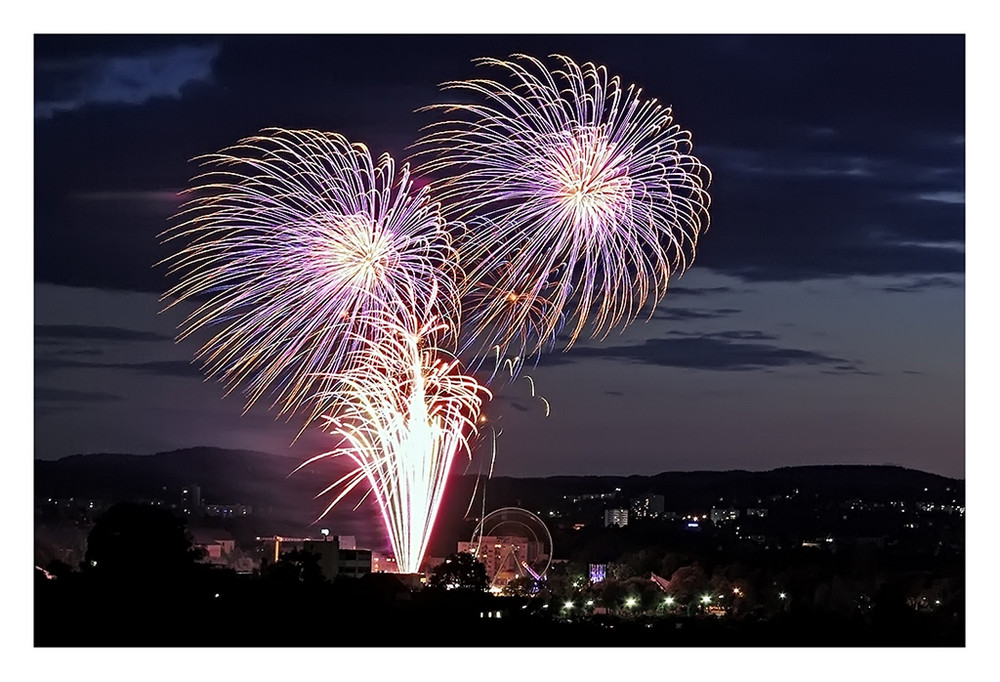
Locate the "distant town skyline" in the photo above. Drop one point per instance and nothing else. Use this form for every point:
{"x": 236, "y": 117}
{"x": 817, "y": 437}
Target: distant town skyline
{"x": 821, "y": 323}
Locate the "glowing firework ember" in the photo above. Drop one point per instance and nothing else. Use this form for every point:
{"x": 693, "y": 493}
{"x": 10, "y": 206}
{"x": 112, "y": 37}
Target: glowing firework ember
{"x": 293, "y": 239}
{"x": 585, "y": 191}
{"x": 408, "y": 412}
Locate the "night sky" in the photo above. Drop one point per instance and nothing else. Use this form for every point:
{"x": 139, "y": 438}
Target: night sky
{"x": 823, "y": 321}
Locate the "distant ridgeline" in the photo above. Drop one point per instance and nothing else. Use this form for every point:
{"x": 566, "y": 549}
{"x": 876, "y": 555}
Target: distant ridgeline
{"x": 683, "y": 490}
{"x": 262, "y": 480}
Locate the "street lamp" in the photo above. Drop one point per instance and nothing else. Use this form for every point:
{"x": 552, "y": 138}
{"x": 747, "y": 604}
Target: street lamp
{"x": 705, "y": 599}
{"x": 630, "y": 602}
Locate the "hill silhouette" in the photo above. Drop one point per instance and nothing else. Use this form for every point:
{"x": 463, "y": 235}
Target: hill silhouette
{"x": 284, "y": 502}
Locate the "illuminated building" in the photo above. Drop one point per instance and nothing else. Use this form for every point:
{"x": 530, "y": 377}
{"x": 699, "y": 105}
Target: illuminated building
{"x": 589, "y": 497}
{"x": 383, "y": 563}
{"x": 228, "y": 511}
{"x": 344, "y": 541}
{"x": 334, "y": 560}
{"x": 215, "y": 543}
{"x": 720, "y": 516}
{"x": 615, "y": 517}
{"x": 647, "y": 507}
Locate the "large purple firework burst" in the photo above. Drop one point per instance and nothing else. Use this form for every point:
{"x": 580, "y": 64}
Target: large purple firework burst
{"x": 293, "y": 240}
{"x": 583, "y": 194}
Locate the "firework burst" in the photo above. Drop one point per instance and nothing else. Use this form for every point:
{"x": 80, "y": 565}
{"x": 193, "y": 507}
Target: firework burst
{"x": 409, "y": 412}
{"x": 585, "y": 190}
{"x": 293, "y": 239}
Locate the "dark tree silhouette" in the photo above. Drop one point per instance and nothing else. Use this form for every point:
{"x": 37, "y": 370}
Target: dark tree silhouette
{"x": 460, "y": 571}
{"x": 295, "y": 566}
{"x": 135, "y": 539}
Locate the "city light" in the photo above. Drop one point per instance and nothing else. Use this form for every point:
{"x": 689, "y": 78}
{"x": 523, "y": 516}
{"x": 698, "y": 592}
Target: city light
{"x": 568, "y": 605}
{"x": 705, "y": 599}
{"x": 669, "y": 601}
{"x": 630, "y": 602}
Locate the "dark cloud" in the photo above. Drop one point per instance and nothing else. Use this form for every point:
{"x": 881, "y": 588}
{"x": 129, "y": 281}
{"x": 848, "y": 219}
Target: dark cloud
{"x": 707, "y": 353}
{"x": 676, "y": 290}
{"x": 78, "y": 352}
{"x": 173, "y": 368}
{"x": 741, "y": 335}
{"x": 65, "y": 395}
{"x": 924, "y": 283}
{"x": 57, "y": 332}
{"x": 847, "y": 369}
{"x": 851, "y": 176}
{"x": 882, "y": 213}
{"x": 50, "y": 363}
{"x": 668, "y": 312}
{"x": 70, "y": 82}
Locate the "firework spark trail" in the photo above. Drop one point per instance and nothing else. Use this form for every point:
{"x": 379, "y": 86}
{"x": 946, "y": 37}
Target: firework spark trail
{"x": 500, "y": 319}
{"x": 293, "y": 238}
{"x": 407, "y": 412}
{"x": 586, "y": 192}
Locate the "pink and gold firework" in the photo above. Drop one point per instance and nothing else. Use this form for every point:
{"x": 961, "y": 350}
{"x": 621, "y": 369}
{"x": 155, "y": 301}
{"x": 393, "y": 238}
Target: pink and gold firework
{"x": 405, "y": 413}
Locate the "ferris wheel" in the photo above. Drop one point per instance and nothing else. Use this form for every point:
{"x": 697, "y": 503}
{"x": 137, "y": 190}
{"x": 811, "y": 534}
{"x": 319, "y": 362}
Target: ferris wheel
{"x": 512, "y": 543}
